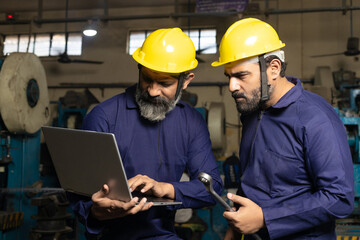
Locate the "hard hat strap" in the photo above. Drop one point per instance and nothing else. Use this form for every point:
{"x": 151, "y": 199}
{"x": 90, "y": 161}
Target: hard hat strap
{"x": 139, "y": 67}
{"x": 264, "y": 80}
{"x": 180, "y": 84}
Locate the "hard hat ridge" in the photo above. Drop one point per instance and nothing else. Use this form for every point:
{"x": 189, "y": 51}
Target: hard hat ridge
{"x": 167, "y": 50}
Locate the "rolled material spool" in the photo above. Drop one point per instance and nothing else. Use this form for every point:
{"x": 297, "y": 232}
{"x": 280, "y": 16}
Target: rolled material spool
{"x": 24, "y": 100}
{"x": 216, "y": 125}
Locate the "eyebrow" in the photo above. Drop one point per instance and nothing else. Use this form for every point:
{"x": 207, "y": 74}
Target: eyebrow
{"x": 237, "y": 74}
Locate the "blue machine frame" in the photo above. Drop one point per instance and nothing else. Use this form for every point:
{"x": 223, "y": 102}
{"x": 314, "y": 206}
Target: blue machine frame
{"x": 23, "y": 171}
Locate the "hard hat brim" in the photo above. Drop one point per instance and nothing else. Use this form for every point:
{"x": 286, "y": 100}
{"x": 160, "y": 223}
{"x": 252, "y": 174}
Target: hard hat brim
{"x": 141, "y": 61}
{"x": 219, "y": 63}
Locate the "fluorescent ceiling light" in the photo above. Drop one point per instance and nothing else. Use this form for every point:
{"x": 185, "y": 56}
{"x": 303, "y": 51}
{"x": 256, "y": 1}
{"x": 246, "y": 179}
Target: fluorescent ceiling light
{"x": 90, "y": 29}
{"x": 89, "y": 32}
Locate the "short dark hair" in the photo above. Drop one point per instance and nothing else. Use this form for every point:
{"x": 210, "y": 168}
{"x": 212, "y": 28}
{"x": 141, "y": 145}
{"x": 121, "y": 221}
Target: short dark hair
{"x": 283, "y": 64}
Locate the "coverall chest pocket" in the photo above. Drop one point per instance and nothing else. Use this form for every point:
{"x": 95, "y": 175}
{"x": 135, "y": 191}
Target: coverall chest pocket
{"x": 277, "y": 174}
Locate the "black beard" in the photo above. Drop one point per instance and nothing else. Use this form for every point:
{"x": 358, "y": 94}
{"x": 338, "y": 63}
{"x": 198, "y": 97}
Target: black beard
{"x": 250, "y": 104}
{"x": 154, "y": 108}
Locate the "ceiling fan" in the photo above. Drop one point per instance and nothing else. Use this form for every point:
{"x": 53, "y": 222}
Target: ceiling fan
{"x": 64, "y": 57}
{"x": 201, "y": 51}
{"x": 352, "y": 49}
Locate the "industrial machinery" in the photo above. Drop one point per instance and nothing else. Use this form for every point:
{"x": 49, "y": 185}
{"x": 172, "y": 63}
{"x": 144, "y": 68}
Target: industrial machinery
{"x": 24, "y": 108}
{"x": 51, "y": 218}
{"x": 348, "y": 110}
{"x": 73, "y": 107}
{"x": 342, "y": 90}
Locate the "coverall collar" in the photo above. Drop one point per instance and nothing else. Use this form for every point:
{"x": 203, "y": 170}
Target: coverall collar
{"x": 292, "y": 95}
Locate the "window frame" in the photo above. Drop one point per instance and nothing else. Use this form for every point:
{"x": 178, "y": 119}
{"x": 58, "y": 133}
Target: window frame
{"x": 185, "y": 30}
{"x": 33, "y": 42}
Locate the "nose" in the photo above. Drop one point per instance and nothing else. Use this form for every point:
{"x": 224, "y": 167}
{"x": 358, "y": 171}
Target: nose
{"x": 154, "y": 89}
{"x": 233, "y": 84}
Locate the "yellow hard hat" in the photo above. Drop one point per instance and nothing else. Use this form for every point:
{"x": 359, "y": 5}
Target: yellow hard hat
{"x": 246, "y": 38}
{"x": 167, "y": 50}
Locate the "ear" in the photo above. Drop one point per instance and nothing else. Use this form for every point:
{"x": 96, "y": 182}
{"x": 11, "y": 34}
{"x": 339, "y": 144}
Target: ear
{"x": 275, "y": 68}
{"x": 188, "y": 80}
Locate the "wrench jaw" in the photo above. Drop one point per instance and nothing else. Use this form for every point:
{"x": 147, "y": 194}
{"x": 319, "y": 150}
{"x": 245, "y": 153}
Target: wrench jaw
{"x": 206, "y": 179}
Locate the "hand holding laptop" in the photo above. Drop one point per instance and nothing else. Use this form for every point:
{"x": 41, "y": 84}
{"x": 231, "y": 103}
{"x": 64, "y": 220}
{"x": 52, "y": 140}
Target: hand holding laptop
{"x": 105, "y": 208}
{"x": 149, "y": 186}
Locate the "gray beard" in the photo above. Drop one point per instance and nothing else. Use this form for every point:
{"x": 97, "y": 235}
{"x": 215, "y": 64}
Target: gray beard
{"x": 154, "y": 108}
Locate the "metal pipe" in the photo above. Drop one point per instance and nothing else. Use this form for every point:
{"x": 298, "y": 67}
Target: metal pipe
{"x": 125, "y": 85}
{"x": 344, "y": 5}
{"x": 40, "y": 9}
{"x": 16, "y": 22}
{"x": 351, "y": 20}
{"x": 266, "y": 5}
{"x": 176, "y": 6}
{"x": 179, "y": 15}
{"x": 106, "y": 8}
{"x": 91, "y": 85}
{"x": 134, "y": 17}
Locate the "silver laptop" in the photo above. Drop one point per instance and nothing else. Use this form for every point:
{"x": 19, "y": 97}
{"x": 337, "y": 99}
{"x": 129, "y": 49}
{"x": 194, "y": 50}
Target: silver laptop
{"x": 86, "y": 160}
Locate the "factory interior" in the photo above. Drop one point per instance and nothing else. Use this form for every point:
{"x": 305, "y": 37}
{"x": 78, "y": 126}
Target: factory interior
{"x": 52, "y": 74}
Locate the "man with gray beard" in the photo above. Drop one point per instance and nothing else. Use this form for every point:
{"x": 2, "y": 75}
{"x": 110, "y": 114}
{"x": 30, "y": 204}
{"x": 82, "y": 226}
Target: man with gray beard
{"x": 159, "y": 138}
{"x": 156, "y": 107}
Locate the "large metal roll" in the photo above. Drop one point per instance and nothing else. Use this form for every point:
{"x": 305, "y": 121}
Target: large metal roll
{"x": 216, "y": 125}
{"x": 24, "y": 100}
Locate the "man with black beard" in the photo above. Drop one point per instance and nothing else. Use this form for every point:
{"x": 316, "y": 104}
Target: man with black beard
{"x": 296, "y": 169}
{"x": 159, "y": 138}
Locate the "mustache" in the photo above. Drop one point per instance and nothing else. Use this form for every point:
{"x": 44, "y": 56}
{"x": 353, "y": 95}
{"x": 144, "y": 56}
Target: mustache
{"x": 154, "y": 100}
{"x": 237, "y": 94}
